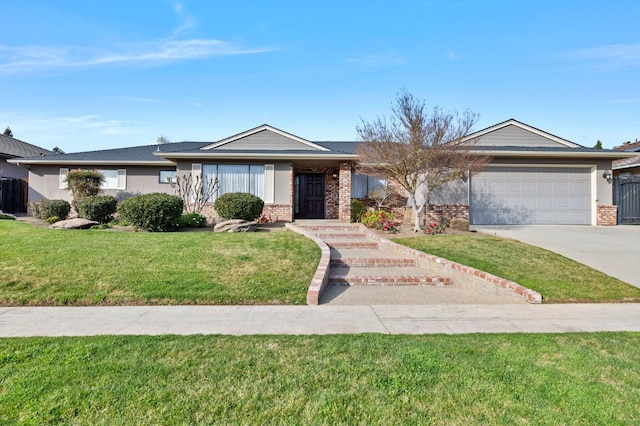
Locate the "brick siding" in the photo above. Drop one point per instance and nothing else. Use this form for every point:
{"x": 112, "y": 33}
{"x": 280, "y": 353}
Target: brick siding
{"x": 607, "y": 215}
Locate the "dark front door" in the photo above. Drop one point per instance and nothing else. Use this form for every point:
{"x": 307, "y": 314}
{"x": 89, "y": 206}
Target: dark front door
{"x": 311, "y": 196}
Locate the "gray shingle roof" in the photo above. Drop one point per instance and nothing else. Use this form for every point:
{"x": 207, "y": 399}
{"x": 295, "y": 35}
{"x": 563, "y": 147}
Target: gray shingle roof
{"x": 142, "y": 153}
{"x": 12, "y": 147}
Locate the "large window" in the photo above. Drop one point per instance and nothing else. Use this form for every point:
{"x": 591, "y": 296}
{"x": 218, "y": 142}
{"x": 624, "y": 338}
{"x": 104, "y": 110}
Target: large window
{"x": 114, "y": 179}
{"x": 237, "y": 178}
{"x": 363, "y": 185}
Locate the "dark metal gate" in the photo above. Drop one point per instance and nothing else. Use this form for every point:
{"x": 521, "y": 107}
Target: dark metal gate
{"x": 626, "y": 195}
{"x": 13, "y": 195}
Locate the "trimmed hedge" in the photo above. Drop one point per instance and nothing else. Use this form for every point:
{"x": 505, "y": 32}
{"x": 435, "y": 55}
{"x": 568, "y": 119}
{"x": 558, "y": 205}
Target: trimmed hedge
{"x": 192, "y": 220}
{"x": 239, "y": 205}
{"x": 44, "y": 209}
{"x": 358, "y": 209}
{"x": 155, "y": 212}
{"x": 97, "y": 207}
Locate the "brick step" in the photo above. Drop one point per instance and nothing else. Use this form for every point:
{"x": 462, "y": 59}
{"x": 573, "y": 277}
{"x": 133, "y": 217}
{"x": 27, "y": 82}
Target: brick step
{"x": 339, "y": 235}
{"x": 328, "y": 227}
{"x": 385, "y": 277}
{"x": 382, "y": 262}
{"x": 349, "y": 244}
{"x": 369, "y": 257}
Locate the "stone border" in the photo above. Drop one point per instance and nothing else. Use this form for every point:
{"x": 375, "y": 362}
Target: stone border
{"x": 462, "y": 274}
{"x": 321, "y": 277}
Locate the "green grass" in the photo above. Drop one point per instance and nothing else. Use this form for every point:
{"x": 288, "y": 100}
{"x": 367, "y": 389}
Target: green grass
{"x": 558, "y": 279}
{"x": 362, "y": 379}
{"x": 41, "y": 266}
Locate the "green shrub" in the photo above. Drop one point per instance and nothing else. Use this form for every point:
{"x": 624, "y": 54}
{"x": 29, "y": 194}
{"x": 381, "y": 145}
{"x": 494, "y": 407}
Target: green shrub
{"x": 97, "y": 207}
{"x": 379, "y": 219}
{"x": 52, "y": 219}
{"x": 357, "y": 210}
{"x": 460, "y": 224}
{"x": 8, "y": 216}
{"x": 83, "y": 183}
{"x": 439, "y": 227}
{"x": 45, "y": 209}
{"x": 192, "y": 220}
{"x": 156, "y": 212}
{"x": 238, "y": 205}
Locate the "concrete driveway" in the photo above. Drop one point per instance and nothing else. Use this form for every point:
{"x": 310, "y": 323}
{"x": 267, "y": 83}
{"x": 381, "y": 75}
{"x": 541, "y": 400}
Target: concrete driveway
{"x": 614, "y": 250}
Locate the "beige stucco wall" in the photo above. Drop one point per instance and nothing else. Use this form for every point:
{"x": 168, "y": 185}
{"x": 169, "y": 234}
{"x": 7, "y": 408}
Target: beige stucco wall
{"x": 44, "y": 182}
{"x": 11, "y": 170}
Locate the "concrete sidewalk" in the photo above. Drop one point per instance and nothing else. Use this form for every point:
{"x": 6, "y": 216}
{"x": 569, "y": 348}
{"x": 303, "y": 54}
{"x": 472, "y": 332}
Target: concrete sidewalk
{"x": 387, "y": 319}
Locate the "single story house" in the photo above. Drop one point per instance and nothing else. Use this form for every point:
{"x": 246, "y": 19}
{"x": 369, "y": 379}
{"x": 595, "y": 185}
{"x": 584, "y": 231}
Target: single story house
{"x": 534, "y": 177}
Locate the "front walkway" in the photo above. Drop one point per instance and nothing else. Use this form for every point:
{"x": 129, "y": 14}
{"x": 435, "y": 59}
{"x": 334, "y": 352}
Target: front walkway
{"x": 306, "y": 320}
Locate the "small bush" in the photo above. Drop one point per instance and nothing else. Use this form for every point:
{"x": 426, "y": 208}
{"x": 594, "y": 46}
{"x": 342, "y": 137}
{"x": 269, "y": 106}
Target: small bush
{"x": 192, "y": 220}
{"x": 239, "y": 205}
{"x": 8, "y": 216}
{"x": 45, "y": 209}
{"x": 357, "y": 210}
{"x": 52, "y": 219}
{"x": 97, "y": 207}
{"x": 379, "y": 219}
{"x": 460, "y": 224}
{"x": 156, "y": 212}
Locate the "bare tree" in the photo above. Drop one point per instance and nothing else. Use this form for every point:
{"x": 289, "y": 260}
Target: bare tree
{"x": 421, "y": 149}
{"x": 195, "y": 193}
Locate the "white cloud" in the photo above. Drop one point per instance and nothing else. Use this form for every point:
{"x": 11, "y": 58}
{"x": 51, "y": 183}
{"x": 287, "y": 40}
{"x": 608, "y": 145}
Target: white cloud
{"x": 615, "y": 55}
{"x": 152, "y": 52}
{"x": 372, "y": 60}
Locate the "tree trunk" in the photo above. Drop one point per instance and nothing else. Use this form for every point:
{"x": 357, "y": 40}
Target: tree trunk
{"x": 416, "y": 213}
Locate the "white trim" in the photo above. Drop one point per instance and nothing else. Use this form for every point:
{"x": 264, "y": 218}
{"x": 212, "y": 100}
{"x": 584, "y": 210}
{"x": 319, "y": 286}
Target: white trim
{"x": 63, "y": 173}
{"x": 529, "y": 154}
{"x": 522, "y": 126}
{"x": 122, "y": 179}
{"x": 159, "y": 162}
{"x": 260, "y": 129}
{"x": 261, "y": 156}
{"x": 269, "y": 183}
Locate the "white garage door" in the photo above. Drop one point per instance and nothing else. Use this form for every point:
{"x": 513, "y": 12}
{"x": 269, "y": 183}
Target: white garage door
{"x": 531, "y": 195}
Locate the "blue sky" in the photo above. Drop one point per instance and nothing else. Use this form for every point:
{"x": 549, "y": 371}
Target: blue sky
{"x": 84, "y": 75}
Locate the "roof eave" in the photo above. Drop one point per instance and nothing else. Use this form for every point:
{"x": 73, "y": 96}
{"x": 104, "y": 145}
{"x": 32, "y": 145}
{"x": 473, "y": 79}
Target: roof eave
{"x": 158, "y": 162}
{"x": 254, "y": 156}
{"x": 573, "y": 154}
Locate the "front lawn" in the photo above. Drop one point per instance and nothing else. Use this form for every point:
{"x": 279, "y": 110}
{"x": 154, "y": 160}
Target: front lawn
{"x": 558, "y": 279}
{"x": 40, "y": 266}
{"x": 349, "y": 379}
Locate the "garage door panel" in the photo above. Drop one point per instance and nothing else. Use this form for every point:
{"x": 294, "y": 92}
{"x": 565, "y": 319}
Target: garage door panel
{"x": 535, "y": 195}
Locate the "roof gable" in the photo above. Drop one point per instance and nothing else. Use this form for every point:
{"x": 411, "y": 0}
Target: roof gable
{"x": 515, "y": 133}
{"x": 265, "y": 137}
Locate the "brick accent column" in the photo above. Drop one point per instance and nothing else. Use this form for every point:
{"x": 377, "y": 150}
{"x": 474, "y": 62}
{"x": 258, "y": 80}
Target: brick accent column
{"x": 607, "y": 215}
{"x": 344, "y": 214}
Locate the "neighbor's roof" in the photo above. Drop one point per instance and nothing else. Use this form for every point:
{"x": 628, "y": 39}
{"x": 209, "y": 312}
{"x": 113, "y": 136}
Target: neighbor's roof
{"x": 12, "y": 147}
{"x": 629, "y": 146}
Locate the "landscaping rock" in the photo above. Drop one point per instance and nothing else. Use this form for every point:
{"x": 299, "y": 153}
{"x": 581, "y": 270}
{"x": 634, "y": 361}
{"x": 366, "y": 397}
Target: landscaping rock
{"x": 77, "y": 223}
{"x": 235, "y": 225}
